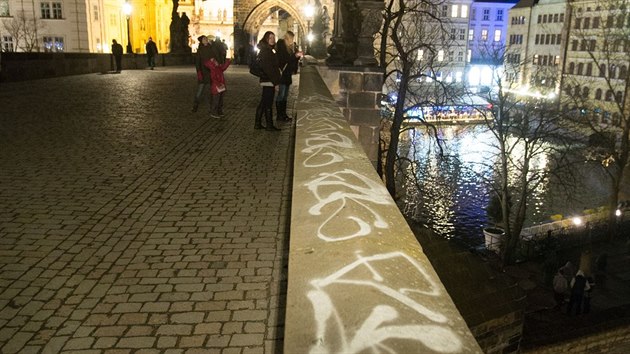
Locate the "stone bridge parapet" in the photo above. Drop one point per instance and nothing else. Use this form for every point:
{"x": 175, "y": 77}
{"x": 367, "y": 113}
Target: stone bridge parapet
{"x": 358, "y": 279}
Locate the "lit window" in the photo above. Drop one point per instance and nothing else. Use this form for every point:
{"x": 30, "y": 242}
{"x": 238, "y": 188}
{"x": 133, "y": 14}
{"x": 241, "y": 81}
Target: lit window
{"x": 53, "y": 44}
{"x": 6, "y": 44}
{"x": 453, "y": 10}
{"x": 497, "y": 35}
{"x": 458, "y": 76}
{"x": 471, "y": 34}
{"x": 469, "y": 55}
{"x": 420, "y": 54}
{"x": 484, "y": 34}
{"x": 464, "y": 11}
{"x": 441, "y": 55}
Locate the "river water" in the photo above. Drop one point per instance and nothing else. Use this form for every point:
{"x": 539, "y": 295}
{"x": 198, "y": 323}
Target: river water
{"x": 450, "y": 195}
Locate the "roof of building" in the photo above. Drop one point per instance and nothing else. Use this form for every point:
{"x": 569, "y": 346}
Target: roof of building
{"x": 525, "y": 3}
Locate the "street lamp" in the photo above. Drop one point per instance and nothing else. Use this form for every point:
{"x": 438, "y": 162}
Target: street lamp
{"x": 309, "y": 12}
{"x": 127, "y": 10}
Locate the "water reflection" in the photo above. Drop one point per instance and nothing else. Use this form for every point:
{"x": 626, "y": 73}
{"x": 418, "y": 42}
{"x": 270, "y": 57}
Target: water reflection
{"x": 452, "y": 190}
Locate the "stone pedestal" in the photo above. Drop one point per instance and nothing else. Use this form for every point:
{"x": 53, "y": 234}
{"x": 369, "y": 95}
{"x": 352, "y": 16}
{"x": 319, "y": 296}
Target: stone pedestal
{"x": 371, "y": 23}
{"x": 356, "y": 90}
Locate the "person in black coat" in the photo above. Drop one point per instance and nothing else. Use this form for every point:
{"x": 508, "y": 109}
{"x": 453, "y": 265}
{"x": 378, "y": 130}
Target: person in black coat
{"x": 152, "y": 51}
{"x": 269, "y": 80}
{"x": 579, "y": 285}
{"x": 288, "y": 60}
{"x": 117, "y": 52}
{"x": 204, "y": 54}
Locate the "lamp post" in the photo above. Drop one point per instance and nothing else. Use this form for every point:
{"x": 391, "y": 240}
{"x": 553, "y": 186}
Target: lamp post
{"x": 127, "y": 10}
{"x": 309, "y": 11}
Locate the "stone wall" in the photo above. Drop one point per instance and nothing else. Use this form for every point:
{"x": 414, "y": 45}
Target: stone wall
{"x": 31, "y": 66}
{"x": 358, "y": 279}
{"x": 611, "y": 340}
{"x": 357, "y": 91}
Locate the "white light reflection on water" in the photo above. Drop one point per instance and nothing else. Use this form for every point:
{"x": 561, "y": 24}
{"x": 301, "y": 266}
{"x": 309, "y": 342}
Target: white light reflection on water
{"x": 451, "y": 197}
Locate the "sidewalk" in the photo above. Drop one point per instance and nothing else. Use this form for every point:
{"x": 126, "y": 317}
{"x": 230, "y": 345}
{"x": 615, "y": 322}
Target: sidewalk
{"x": 128, "y": 223}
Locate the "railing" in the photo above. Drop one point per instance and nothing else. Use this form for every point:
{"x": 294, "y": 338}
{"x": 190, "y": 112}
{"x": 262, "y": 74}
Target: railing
{"x": 358, "y": 279}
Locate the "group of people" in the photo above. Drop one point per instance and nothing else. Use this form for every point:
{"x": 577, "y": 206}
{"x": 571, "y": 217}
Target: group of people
{"x": 151, "y": 51}
{"x": 211, "y": 61}
{"x": 278, "y": 61}
{"x": 576, "y": 286}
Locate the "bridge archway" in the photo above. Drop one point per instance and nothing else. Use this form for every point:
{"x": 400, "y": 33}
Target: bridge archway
{"x": 259, "y": 13}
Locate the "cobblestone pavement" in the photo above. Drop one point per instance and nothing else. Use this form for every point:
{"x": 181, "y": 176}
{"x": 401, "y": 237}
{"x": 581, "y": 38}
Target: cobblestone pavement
{"x": 129, "y": 224}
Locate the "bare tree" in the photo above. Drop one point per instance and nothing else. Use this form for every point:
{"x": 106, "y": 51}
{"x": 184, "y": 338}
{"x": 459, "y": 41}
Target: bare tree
{"x": 415, "y": 43}
{"x": 24, "y": 31}
{"x": 530, "y": 146}
{"x": 596, "y": 84}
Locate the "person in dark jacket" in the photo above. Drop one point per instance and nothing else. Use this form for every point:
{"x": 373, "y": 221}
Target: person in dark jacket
{"x": 204, "y": 54}
{"x": 152, "y": 52}
{"x": 269, "y": 80}
{"x": 117, "y": 52}
{"x": 579, "y": 285}
{"x": 288, "y": 60}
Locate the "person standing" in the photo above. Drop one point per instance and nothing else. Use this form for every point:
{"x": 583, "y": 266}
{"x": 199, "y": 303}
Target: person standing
{"x": 269, "y": 80}
{"x": 288, "y": 60}
{"x": 560, "y": 288}
{"x": 217, "y": 88}
{"x": 152, "y": 52}
{"x": 204, "y": 53}
{"x": 117, "y": 52}
{"x": 578, "y": 286}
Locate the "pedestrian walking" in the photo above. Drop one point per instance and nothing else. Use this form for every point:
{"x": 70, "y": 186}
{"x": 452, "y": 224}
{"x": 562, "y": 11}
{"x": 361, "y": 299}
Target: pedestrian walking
{"x": 588, "y": 294}
{"x": 269, "y": 80}
{"x": 560, "y": 288}
{"x": 578, "y": 286}
{"x": 117, "y": 52}
{"x": 288, "y": 59}
{"x": 204, "y": 54}
{"x": 152, "y": 52}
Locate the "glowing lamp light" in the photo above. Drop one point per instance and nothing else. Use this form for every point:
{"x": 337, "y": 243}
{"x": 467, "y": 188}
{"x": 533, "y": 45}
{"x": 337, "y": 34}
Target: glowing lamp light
{"x": 309, "y": 11}
{"x": 127, "y": 9}
{"x": 617, "y": 212}
{"x": 577, "y": 221}
{"x": 310, "y": 37}
{"x": 218, "y": 34}
{"x": 551, "y": 95}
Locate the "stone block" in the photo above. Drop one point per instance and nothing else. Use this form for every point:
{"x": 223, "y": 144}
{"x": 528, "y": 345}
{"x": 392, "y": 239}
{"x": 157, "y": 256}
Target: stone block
{"x": 365, "y": 117}
{"x": 350, "y": 81}
{"x": 373, "y": 82}
{"x": 362, "y": 100}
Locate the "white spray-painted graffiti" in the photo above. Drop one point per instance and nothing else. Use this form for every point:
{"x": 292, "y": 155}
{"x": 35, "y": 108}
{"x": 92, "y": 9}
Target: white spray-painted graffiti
{"x": 341, "y": 188}
{"x": 333, "y": 336}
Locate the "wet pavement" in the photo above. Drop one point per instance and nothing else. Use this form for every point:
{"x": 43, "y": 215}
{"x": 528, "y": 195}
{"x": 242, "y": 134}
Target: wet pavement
{"x": 130, "y": 224}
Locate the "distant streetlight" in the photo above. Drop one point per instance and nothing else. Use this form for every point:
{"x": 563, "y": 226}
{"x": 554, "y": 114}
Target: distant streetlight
{"x": 309, "y": 12}
{"x": 577, "y": 221}
{"x": 127, "y": 11}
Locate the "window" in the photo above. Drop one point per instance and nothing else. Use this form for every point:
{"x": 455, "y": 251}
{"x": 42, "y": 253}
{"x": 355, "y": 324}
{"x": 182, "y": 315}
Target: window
{"x": 454, "y": 10}
{"x": 486, "y": 15}
{"x": 623, "y": 72}
{"x": 441, "y": 55}
{"x": 45, "y": 8}
{"x": 595, "y": 22}
{"x": 6, "y": 43}
{"x": 555, "y": 18}
{"x": 471, "y": 34}
{"x": 574, "y": 45}
{"x": 468, "y": 55}
{"x": 587, "y": 23}
{"x": 4, "y": 8}
{"x": 46, "y": 12}
{"x": 484, "y": 34}
{"x": 556, "y": 60}
{"x": 444, "y": 10}
{"x": 578, "y": 23}
{"x": 618, "y": 96}
{"x": 56, "y": 10}
{"x": 592, "y": 45}
{"x": 536, "y": 59}
{"x": 544, "y": 18}
{"x": 537, "y": 40}
{"x": 609, "y": 95}
{"x": 598, "y": 94}
{"x": 473, "y": 14}
{"x": 464, "y": 11}
{"x": 580, "y": 68}
{"x": 602, "y": 70}
{"x": 497, "y": 35}
{"x": 53, "y": 44}
{"x": 547, "y": 39}
{"x": 458, "y": 76}
{"x": 453, "y": 33}
{"x": 95, "y": 12}
{"x": 460, "y": 56}
{"x": 585, "y": 92}
{"x": 420, "y": 54}
{"x": 539, "y": 18}
{"x": 561, "y": 17}
{"x": 499, "y": 14}
{"x": 462, "y": 34}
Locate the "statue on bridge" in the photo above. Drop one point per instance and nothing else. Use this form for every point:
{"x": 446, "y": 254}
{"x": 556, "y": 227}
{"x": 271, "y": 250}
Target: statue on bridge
{"x": 179, "y": 31}
{"x": 355, "y": 24}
